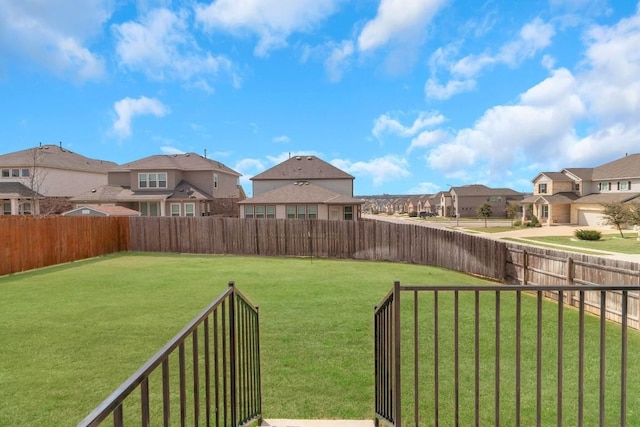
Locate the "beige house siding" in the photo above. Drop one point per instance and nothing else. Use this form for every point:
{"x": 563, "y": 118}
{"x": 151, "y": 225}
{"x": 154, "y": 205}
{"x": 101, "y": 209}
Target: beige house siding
{"x": 66, "y": 183}
{"x": 553, "y": 187}
{"x": 342, "y": 186}
{"x": 120, "y": 178}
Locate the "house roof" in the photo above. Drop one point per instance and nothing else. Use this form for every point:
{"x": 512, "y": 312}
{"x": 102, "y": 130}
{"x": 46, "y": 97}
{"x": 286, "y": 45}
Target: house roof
{"x": 554, "y": 176}
{"x": 116, "y": 193}
{"x": 301, "y": 168}
{"x": 600, "y": 198}
{"x": 55, "y": 157}
{"x": 626, "y": 167}
{"x": 13, "y": 190}
{"x": 184, "y": 190}
{"x": 302, "y": 193}
{"x": 483, "y": 190}
{"x": 106, "y": 210}
{"x": 187, "y": 162}
{"x": 584, "y": 174}
{"x": 551, "y": 198}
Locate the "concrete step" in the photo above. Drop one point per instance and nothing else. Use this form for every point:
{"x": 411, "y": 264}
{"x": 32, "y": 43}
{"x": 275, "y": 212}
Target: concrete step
{"x": 316, "y": 423}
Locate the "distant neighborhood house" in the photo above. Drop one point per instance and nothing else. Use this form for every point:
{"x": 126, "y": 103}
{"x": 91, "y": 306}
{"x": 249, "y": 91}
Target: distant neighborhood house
{"x": 40, "y": 180}
{"x": 168, "y": 185}
{"x": 302, "y": 187}
{"x": 577, "y": 195}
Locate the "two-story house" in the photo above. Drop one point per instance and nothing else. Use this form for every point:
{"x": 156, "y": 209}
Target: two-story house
{"x": 169, "y": 185}
{"x": 577, "y": 195}
{"x": 40, "y": 180}
{"x": 302, "y": 187}
{"x": 466, "y": 199}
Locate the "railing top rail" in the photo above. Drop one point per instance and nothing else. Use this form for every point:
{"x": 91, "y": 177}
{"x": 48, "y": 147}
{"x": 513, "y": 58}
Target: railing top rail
{"x": 384, "y": 301}
{"x": 246, "y": 300}
{"x": 117, "y": 397}
{"x": 528, "y": 288}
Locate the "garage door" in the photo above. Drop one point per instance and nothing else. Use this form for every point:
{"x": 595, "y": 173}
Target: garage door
{"x": 589, "y": 217}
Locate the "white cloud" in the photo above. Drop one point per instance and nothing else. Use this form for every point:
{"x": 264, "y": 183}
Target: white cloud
{"x": 160, "y": 46}
{"x": 540, "y": 126}
{"x": 533, "y": 37}
{"x": 337, "y": 61}
{"x": 271, "y": 20}
{"x": 382, "y": 169}
{"x": 54, "y": 34}
{"x": 427, "y": 138}
{"x": 386, "y": 124}
{"x": 434, "y": 90}
{"x": 398, "y": 20}
{"x": 282, "y": 139}
{"x": 425, "y": 188}
{"x": 128, "y": 108}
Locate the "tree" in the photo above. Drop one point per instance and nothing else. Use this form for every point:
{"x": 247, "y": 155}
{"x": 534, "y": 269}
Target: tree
{"x": 37, "y": 177}
{"x": 616, "y": 214}
{"x": 512, "y": 210}
{"x": 634, "y": 215}
{"x": 484, "y": 211}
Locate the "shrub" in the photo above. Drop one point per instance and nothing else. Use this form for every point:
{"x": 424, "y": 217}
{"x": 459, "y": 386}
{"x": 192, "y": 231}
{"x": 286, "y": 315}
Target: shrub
{"x": 588, "y": 234}
{"x": 517, "y": 223}
{"x": 534, "y": 222}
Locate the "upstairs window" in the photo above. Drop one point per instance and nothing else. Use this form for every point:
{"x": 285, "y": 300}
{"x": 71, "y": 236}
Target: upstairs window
{"x": 25, "y": 173}
{"x": 576, "y": 187}
{"x": 542, "y": 188}
{"x": 152, "y": 180}
{"x": 215, "y": 180}
{"x": 624, "y": 185}
{"x": 604, "y": 186}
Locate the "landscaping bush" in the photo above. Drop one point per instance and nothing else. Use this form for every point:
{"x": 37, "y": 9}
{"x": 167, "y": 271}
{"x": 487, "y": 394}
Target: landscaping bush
{"x": 534, "y": 222}
{"x": 588, "y": 234}
{"x": 517, "y": 223}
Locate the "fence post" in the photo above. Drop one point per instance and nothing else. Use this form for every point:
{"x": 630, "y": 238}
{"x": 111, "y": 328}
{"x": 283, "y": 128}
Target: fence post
{"x": 524, "y": 266}
{"x": 397, "y": 419}
{"x": 232, "y": 353}
{"x": 570, "y": 274}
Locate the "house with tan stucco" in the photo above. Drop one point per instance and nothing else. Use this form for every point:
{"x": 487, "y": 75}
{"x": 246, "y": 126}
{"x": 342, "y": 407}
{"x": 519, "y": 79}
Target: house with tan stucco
{"x": 577, "y": 195}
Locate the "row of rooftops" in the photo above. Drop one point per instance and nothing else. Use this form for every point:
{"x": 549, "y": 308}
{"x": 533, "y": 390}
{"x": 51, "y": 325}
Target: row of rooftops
{"x": 626, "y": 167}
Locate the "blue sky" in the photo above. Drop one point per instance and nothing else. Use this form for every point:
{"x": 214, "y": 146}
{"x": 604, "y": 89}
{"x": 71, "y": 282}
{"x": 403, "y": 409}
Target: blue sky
{"x": 409, "y": 96}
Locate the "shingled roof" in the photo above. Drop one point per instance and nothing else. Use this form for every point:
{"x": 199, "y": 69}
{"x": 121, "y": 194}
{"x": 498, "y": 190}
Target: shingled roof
{"x": 301, "y": 168}
{"x": 55, "y": 157}
{"x": 302, "y": 192}
{"x": 16, "y": 189}
{"x": 626, "y": 167}
{"x": 483, "y": 190}
{"x": 187, "y": 161}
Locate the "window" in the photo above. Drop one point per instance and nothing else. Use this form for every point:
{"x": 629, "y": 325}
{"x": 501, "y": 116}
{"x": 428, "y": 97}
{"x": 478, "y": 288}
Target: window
{"x": 152, "y": 180}
{"x": 312, "y": 212}
{"x": 149, "y": 209}
{"x": 542, "y": 188}
{"x": 189, "y": 209}
{"x": 248, "y": 212}
{"x": 215, "y": 180}
{"x": 175, "y": 209}
{"x": 25, "y": 208}
{"x": 6, "y": 173}
{"x": 25, "y": 172}
{"x": 271, "y": 211}
{"x": 576, "y": 187}
{"x": 302, "y": 212}
{"x": 624, "y": 185}
{"x": 544, "y": 211}
{"x": 495, "y": 199}
{"x": 260, "y": 212}
{"x": 604, "y": 186}
{"x": 6, "y": 207}
{"x": 15, "y": 173}
{"x": 348, "y": 213}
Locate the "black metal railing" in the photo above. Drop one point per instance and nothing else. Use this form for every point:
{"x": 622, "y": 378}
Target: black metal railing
{"x": 209, "y": 374}
{"x": 502, "y": 355}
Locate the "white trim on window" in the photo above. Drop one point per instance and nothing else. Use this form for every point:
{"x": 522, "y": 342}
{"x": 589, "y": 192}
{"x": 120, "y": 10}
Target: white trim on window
{"x": 152, "y": 180}
{"x": 175, "y": 209}
{"x": 189, "y": 209}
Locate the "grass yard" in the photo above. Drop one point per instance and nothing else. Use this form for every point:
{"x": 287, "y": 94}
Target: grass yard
{"x": 71, "y": 334}
{"x": 609, "y": 242}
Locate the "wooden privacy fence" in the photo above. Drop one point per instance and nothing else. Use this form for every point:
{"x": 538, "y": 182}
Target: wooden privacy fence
{"x": 365, "y": 240}
{"x": 34, "y": 242}
{"x": 543, "y": 267}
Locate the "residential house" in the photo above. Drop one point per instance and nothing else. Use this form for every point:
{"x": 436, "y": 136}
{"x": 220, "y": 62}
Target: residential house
{"x": 104, "y": 210}
{"x": 577, "y": 195}
{"x": 48, "y": 175}
{"x": 302, "y": 187}
{"x": 445, "y": 207}
{"x": 169, "y": 185}
{"x": 466, "y": 199}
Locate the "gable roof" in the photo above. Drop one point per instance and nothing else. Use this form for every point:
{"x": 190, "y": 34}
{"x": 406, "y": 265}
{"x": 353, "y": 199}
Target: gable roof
{"x": 600, "y": 198}
{"x": 116, "y": 193}
{"x": 55, "y": 157}
{"x": 302, "y": 193}
{"x": 626, "y": 167}
{"x": 584, "y": 174}
{"x": 187, "y": 162}
{"x": 17, "y": 190}
{"x": 483, "y": 190}
{"x": 102, "y": 210}
{"x": 551, "y": 198}
{"x": 554, "y": 176}
{"x": 301, "y": 168}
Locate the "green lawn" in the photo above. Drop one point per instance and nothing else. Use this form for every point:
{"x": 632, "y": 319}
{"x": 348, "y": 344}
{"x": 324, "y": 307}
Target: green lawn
{"x": 71, "y": 334}
{"x": 609, "y": 242}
